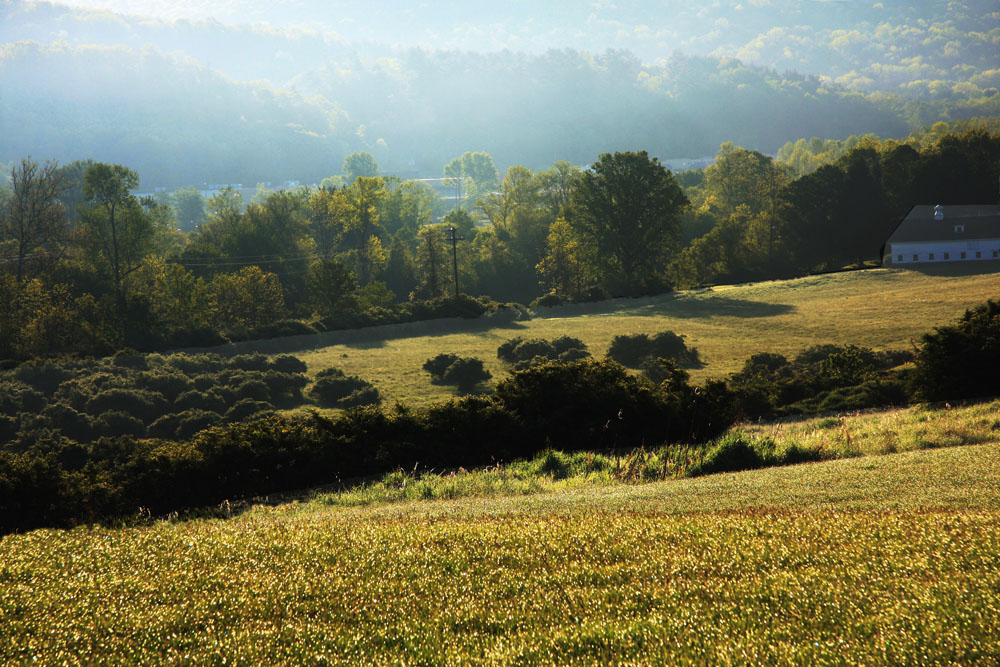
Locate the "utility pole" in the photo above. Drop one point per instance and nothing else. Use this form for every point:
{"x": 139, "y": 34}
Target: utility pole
{"x": 454, "y": 255}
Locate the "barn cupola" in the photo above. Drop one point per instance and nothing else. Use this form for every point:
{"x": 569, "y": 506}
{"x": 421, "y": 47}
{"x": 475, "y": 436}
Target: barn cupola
{"x": 939, "y": 212}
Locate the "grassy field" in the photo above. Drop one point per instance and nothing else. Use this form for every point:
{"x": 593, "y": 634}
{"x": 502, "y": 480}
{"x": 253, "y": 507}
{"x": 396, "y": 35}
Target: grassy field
{"x": 889, "y": 560}
{"x": 880, "y": 308}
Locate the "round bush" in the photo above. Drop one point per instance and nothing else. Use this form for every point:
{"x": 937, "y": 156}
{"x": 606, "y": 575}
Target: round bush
{"x": 246, "y": 408}
{"x": 436, "y": 366}
{"x": 193, "y": 421}
{"x": 250, "y": 362}
{"x": 144, "y": 405}
{"x": 115, "y": 423}
{"x": 286, "y": 363}
{"x": 255, "y": 389}
{"x": 196, "y": 400}
{"x": 465, "y": 373}
{"x": 73, "y": 424}
{"x": 195, "y": 364}
{"x": 330, "y": 391}
{"x": 168, "y": 382}
{"x": 368, "y": 395}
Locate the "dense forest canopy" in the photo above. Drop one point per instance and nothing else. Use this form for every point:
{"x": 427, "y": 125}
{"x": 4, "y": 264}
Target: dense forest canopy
{"x": 263, "y": 94}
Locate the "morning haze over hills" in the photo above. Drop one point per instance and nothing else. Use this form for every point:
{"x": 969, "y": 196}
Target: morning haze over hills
{"x": 190, "y": 93}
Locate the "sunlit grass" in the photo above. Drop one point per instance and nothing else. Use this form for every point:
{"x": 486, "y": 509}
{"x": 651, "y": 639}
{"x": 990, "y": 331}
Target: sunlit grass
{"x": 852, "y": 561}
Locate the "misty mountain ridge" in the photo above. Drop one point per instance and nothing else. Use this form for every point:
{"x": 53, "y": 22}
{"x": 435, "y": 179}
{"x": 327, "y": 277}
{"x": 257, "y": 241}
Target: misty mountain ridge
{"x": 234, "y": 99}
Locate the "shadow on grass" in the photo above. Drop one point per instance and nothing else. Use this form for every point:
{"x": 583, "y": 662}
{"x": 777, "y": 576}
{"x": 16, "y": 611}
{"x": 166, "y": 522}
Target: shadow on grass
{"x": 367, "y": 338}
{"x": 713, "y": 306}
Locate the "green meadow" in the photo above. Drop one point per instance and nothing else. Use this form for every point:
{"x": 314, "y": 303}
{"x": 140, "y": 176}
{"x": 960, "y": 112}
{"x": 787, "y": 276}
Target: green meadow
{"x": 877, "y": 308}
{"x": 883, "y": 560}
{"x": 885, "y": 552}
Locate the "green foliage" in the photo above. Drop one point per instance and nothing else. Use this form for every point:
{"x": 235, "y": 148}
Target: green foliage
{"x": 821, "y": 378}
{"x": 465, "y": 373}
{"x": 521, "y": 353}
{"x": 628, "y": 206}
{"x": 961, "y": 360}
{"x": 633, "y": 350}
{"x": 334, "y": 389}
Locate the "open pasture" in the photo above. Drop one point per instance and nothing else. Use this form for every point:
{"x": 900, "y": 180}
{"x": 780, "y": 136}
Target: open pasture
{"x": 883, "y": 560}
{"x": 877, "y": 308}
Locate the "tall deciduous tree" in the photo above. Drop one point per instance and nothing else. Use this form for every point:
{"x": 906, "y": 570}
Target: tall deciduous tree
{"x": 627, "y": 207}
{"x": 32, "y": 218}
{"x": 117, "y": 226}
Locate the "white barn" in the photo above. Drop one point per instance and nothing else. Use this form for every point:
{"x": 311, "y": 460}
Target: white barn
{"x": 945, "y": 234}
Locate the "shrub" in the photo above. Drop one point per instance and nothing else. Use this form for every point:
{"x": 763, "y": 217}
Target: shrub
{"x": 73, "y": 424}
{"x": 286, "y": 363}
{"x": 367, "y": 395}
{"x": 245, "y": 408}
{"x": 961, "y": 360}
{"x": 255, "y": 389}
{"x": 331, "y": 389}
{"x": 8, "y": 428}
{"x": 549, "y": 300}
{"x": 45, "y": 378}
{"x": 167, "y": 382}
{"x": 193, "y": 421}
{"x": 195, "y": 364}
{"x": 144, "y": 405}
{"x": 115, "y": 423}
{"x": 196, "y": 400}
{"x": 165, "y": 427}
{"x": 282, "y": 328}
{"x": 731, "y": 453}
{"x": 465, "y": 374}
{"x": 523, "y": 353}
{"x": 288, "y": 385}
{"x": 130, "y": 359}
{"x": 633, "y": 349}
{"x": 250, "y": 362}
{"x": 436, "y": 366}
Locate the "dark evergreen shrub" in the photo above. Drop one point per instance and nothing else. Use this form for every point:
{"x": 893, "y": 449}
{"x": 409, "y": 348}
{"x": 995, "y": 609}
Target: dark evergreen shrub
{"x": 143, "y": 405}
{"x": 254, "y": 389}
{"x": 548, "y": 301}
{"x": 961, "y": 360}
{"x": 165, "y": 427}
{"x": 250, "y": 362}
{"x": 195, "y": 364}
{"x": 115, "y": 423}
{"x": 196, "y": 400}
{"x": 45, "y": 377}
{"x": 465, "y": 373}
{"x": 368, "y": 395}
{"x": 246, "y": 408}
{"x": 9, "y": 426}
{"x": 286, "y": 363}
{"x": 73, "y": 424}
{"x": 331, "y": 389}
{"x": 167, "y": 381}
{"x": 523, "y": 353}
{"x": 436, "y": 366}
{"x": 285, "y": 385}
{"x": 130, "y": 359}
{"x": 632, "y": 349}
{"x": 193, "y": 421}
{"x": 193, "y": 337}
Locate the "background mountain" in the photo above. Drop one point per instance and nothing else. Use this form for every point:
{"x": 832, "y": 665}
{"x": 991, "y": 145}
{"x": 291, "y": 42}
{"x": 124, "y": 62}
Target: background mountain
{"x": 249, "y": 91}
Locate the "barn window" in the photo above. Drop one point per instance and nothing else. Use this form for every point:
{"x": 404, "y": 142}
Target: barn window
{"x": 946, "y": 256}
{"x": 899, "y": 258}
{"x": 930, "y": 256}
{"x": 979, "y": 255}
{"x": 959, "y": 229}
{"x": 916, "y": 257}
{"x": 963, "y": 254}
{"x": 996, "y": 252}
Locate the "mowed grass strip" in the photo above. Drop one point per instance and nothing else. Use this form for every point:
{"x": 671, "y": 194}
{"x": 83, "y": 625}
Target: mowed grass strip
{"x": 632, "y": 577}
{"x": 878, "y": 308}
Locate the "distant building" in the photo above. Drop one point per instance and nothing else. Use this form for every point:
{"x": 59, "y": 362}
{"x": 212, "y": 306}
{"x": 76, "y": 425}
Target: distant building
{"x": 945, "y": 234}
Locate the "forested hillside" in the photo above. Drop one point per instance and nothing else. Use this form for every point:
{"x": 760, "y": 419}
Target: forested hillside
{"x": 171, "y": 99}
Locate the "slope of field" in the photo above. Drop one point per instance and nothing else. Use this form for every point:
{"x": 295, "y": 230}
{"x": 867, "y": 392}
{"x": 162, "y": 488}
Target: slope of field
{"x": 879, "y": 560}
{"x": 880, "y": 308}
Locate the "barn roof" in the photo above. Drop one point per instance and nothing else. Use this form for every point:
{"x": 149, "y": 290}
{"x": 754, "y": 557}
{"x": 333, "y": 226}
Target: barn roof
{"x": 980, "y": 221}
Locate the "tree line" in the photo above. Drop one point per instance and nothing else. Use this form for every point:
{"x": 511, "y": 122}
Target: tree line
{"x": 89, "y": 267}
